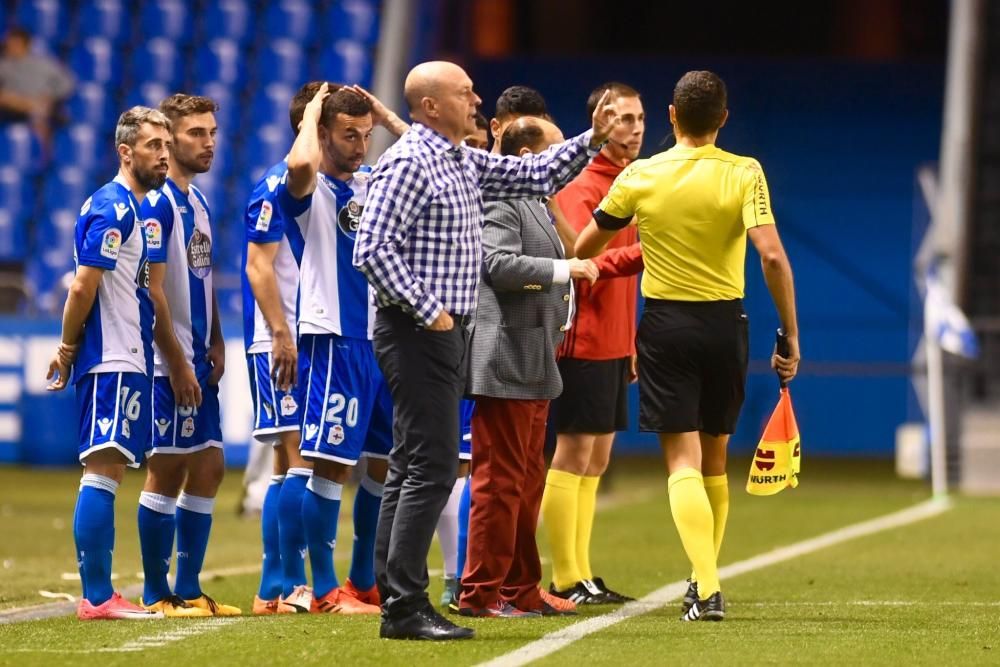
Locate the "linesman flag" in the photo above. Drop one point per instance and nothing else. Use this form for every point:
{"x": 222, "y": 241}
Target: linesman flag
{"x": 778, "y": 458}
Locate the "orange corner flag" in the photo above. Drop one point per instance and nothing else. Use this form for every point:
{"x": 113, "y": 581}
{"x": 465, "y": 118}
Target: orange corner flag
{"x": 778, "y": 458}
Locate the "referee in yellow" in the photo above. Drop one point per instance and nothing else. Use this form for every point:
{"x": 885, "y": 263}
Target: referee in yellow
{"x": 695, "y": 205}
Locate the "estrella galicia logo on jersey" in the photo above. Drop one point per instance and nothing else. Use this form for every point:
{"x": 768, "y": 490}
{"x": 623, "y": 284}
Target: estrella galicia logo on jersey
{"x": 111, "y": 243}
{"x": 142, "y": 275}
{"x": 154, "y": 234}
{"x": 349, "y": 217}
{"x": 264, "y": 217}
{"x": 121, "y": 209}
{"x": 199, "y": 254}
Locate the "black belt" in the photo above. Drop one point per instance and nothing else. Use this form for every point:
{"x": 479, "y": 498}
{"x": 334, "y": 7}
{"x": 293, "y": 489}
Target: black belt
{"x": 397, "y": 313}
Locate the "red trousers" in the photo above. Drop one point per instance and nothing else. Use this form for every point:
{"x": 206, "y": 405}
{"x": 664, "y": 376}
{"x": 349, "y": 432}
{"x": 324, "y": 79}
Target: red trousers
{"x": 508, "y": 477}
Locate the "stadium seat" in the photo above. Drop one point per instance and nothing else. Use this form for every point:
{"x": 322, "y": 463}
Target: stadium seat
{"x": 281, "y": 60}
{"x": 166, "y": 18}
{"x": 230, "y": 113}
{"x": 356, "y": 20}
{"x": 79, "y": 145}
{"x": 19, "y": 148}
{"x": 68, "y": 187}
{"x": 15, "y": 194}
{"x": 345, "y": 61}
{"x": 221, "y": 60}
{"x": 110, "y": 19}
{"x": 290, "y": 19}
{"x": 13, "y": 237}
{"x": 158, "y": 60}
{"x": 148, "y": 94}
{"x": 270, "y": 106}
{"x": 228, "y": 19}
{"x": 46, "y": 20}
{"x": 92, "y": 105}
{"x": 269, "y": 144}
{"x": 96, "y": 59}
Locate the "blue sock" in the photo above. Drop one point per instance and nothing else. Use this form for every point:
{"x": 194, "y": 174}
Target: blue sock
{"x": 194, "y": 522}
{"x": 270, "y": 574}
{"x": 463, "y": 527}
{"x": 366, "y": 507}
{"x": 156, "y": 540}
{"x": 94, "y": 534}
{"x": 321, "y": 512}
{"x": 291, "y": 530}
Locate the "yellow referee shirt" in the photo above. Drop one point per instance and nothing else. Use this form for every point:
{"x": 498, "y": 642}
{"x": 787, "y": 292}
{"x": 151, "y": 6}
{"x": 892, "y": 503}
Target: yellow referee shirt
{"x": 693, "y": 207}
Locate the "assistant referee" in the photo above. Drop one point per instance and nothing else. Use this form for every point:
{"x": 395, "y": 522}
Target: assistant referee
{"x": 695, "y": 205}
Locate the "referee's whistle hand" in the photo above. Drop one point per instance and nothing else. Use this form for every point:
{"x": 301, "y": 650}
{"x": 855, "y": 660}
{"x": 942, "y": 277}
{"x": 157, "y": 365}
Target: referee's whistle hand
{"x": 787, "y": 367}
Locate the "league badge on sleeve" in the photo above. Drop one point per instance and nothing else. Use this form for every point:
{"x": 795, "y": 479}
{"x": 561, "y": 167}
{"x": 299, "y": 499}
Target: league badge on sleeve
{"x": 154, "y": 234}
{"x": 111, "y": 243}
{"x": 264, "y": 217}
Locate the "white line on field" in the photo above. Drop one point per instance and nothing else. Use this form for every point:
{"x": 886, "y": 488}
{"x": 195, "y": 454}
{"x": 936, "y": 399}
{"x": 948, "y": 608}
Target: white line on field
{"x": 157, "y": 640}
{"x": 53, "y": 609}
{"x": 560, "y": 639}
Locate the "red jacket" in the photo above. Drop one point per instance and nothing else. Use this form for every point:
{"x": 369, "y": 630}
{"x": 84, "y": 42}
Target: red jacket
{"x": 604, "y": 327}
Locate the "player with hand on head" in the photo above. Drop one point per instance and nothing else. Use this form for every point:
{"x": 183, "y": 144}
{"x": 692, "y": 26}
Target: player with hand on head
{"x": 107, "y": 336}
{"x": 186, "y": 463}
{"x": 347, "y": 405}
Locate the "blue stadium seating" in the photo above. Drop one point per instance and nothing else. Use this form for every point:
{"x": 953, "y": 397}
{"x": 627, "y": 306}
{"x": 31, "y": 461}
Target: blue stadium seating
{"x": 19, "y": 148}
{"x": 228, "y": 19}
{"x": 148, "y": 94}
{"x": 80, "y": 145}
{"x": 230, "y": 113}
{"x": 355, "y": 20}
{"x": 221, "y": 60}
{"x": 92, "y": 105}
{"x": 111, "y": 19}
{"x": 269, "y": 144}
{"x": 15, "y": 195}
{"x": 68, "y": 186}
{"x": 166, "y": 18}
{"x": 291, "y": 19}
{"x": 270, "y": 105}
{"x": 159, "y": 60}
{"x": 281, "y": 60}
{"x": 96, "y": 59}
{"x": 47, "y": 20}
{"x": 344, "y": 61}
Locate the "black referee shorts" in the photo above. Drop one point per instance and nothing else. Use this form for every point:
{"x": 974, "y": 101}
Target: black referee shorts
{"x": 692, "y": 365}
{"x": 594, "y": 397}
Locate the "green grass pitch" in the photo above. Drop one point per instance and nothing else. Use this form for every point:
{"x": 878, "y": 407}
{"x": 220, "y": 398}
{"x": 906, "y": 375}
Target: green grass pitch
{"x": 927, "y": 593}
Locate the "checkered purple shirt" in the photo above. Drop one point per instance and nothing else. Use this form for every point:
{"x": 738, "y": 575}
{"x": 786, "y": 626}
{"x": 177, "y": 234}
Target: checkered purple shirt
{"x": 419, "y": 243}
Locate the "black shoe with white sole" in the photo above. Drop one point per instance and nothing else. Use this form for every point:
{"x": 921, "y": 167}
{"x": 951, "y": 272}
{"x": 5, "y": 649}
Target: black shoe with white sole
{"x": 611, "y": 597}
{"x": 582, "y": 592}
{"x": 690, "y": 597}
{"x": 712, "y": 609}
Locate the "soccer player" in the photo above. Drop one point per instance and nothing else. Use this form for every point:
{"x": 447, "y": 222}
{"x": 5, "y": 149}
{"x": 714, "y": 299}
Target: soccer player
{"x": 694, "y": 206}
{"x": 185, "y": 465}
{"x": 107, "y": 336}
{"x": 348, "y": 408}
{"x": 596, "y": 363}
{"x": 270, "y": 293}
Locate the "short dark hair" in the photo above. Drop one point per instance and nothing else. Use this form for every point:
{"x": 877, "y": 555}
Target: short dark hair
{"x": 520, "y": 101}
{"x": 297, "y": 107}
{"x": 18, "y": 32}
{"x": 522, "y": 133}
{"x": 700, "y": 102}
{"x": 617, "y": 89}
{"x": 344, "y": 101}
{"x": 180, "y": 105}
{"x": 481, "y": 122}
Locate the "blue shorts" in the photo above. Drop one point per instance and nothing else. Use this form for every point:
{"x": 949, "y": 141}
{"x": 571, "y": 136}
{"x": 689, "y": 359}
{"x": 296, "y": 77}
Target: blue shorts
{"x": 348, "y": 408}
{"x": 178, "y": 430}
{"x": 116, "y": 411}
{"x": 465, "y": 429}
{"x": 269, "y": 421}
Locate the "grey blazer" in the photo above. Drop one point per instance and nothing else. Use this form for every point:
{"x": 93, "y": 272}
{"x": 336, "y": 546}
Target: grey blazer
{"x": 521, "y": 314}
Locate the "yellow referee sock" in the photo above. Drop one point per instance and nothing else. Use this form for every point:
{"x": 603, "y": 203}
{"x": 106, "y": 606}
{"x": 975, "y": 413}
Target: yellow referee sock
{"x": 693, "y": 517}
{"x": 560, "y": 504}
{"x": 587, "y": 506}
{"x": 717, "y": 490}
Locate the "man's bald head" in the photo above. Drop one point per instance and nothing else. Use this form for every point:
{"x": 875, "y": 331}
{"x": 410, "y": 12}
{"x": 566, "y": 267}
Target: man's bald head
{"x": 439, "y": 95}
{"x": 426, "y": 80}
{"x": 529, "y": 134}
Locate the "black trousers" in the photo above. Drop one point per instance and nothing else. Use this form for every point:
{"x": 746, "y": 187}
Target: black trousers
{"x": 425, "y": 371}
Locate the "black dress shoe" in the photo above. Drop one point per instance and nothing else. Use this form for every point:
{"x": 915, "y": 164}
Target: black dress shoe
{"x": 423, "y": 624}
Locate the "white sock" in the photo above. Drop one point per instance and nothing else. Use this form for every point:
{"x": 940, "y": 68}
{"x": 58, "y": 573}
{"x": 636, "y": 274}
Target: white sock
{"x": 447, "y": 529}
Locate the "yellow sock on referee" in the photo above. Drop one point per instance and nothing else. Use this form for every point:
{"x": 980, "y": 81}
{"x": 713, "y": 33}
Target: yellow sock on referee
{"x": 693, "y": 517}
{"x": 560, "y": 504}
{"x": 586, "y": 507}
{"x": 717, "y": 490}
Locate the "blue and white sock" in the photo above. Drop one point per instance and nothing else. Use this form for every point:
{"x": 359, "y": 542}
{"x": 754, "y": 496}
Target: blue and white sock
{"x": 94, "y": 534}
{"x": 321, "y": 512}
{"x": 463, "y": 527}
{"x": 270, "y": 574}
{"x": 366, "y": 507}
{"x": 447, "y": 528}
{"x": 194, "y": 523}
{"x": 291, "y": 530}
{"x": 156, "y": 541}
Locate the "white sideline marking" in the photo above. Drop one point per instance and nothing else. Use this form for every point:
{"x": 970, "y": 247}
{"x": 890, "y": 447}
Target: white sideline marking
{"x": 157, "y": 640}
{"x": 52, "y": 609}
{"x": 555, "y": 641}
